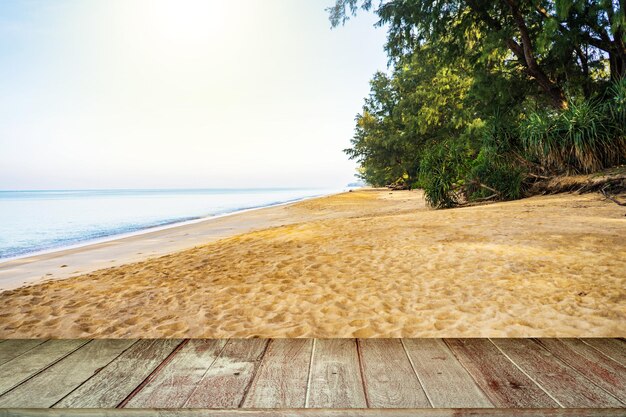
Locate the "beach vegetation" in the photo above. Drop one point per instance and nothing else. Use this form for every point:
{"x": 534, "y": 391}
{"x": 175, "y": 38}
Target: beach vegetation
{"x": 482, "y": 98}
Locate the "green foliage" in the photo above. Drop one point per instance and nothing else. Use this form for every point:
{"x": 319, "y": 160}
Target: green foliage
{"x": 420, "y": 101}
{"x": 502, "y": 176}
{"x": 477, "y": 166}
{"x": 480, "y": 94}
{"x": 441, "y": 173}
{"x": 586, "y": 137}
{"x": 343, "y": 9}
{"x": 494, "y": 172}
{"x": 617, "y": 106}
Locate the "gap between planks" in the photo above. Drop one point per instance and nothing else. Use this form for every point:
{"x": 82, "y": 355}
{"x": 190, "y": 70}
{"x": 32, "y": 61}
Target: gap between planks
{"x": 308, "y": 382}
{"x": 527, "y": 375}
{"x": 255, "y": 372}
{"x": 30, "y": 373}
{"x": 542, "y": 360}
{"x": 604, "y": 351}
{"x": 95, "y": 373}
{"x": 314, "y": 353}
{"x": 153, "y": 374}
{"x": 419, "y": 380}
{"x": 360, "y": 356}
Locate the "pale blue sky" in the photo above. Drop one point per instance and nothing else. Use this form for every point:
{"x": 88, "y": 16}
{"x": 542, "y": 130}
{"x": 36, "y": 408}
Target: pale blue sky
{"x": 181, "y": 93}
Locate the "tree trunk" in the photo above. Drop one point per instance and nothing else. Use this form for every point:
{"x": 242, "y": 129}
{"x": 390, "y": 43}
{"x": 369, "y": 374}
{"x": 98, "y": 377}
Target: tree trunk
{"x": 617, "y": 50}
{"x": 553, "y": 91}
{"x": 523, "y": 52}
{"x": 526, "y": 53}
{"x": 617, "y": 59}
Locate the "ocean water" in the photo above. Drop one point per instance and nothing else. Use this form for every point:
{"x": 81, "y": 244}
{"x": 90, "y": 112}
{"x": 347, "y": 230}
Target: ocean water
{"x": 35, "y": 221}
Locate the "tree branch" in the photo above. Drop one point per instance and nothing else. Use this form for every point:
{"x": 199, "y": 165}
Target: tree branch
{"x": 555, "y": 93}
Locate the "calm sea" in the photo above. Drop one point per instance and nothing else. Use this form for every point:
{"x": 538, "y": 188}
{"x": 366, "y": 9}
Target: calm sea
{"x": 35, "y": 221}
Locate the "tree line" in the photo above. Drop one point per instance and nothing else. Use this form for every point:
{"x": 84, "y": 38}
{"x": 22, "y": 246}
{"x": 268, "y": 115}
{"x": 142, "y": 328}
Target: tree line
{"x": 483, "y": 97}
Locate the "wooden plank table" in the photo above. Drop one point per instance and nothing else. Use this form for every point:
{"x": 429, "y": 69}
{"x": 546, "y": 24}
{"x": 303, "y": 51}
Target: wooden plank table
{"x": 322, "y": 377}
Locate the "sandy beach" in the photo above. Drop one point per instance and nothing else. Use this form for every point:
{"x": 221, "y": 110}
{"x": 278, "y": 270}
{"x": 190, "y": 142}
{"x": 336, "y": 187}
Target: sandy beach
{"x": 65, "y": 263}
{"x": 371, "y": 263}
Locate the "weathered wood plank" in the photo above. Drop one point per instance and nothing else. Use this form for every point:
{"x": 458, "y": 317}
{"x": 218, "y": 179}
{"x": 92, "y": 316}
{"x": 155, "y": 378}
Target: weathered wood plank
{"x": 281, "y": 380}
{"x": 225, "y": 382}
{"x": 613, "y": 348}
{"x": 312, "y": 412}
{"x": 13, "y": 348}
{"x": 595, "y": 366}
{"x": 563, "y": 383}
{"x": 54, "y": 383}
{"x": 446, "y": 383}
{"x": 21, "y": 368}
{"x": 335, "y": 380}
{"x": 497, "y": 376}
{"x": 67, "y": 373}
{"x": 174, "y": 384}
{"x": 388, "y": 376}
{"x": 109, "y": 387}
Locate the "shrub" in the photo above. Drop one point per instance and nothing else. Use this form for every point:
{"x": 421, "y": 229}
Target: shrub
{"x": 587, "y": 136}
{"x": 441, "y": 173}
{"x": 492, "y": 176}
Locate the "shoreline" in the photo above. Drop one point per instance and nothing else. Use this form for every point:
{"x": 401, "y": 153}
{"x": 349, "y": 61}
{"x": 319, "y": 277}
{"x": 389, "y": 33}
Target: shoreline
{"x": 370, "y": 263}
{"x": 41, "y": 265}
{"x": 150, "y": 229}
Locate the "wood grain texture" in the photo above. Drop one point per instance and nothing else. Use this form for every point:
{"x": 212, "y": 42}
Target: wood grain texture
{"x": 281, "y": 381}
{"x": 174, "y": 384}
{"x": 312, "y": 412}
{"x": 338, "y": 373}
{"x": 54, "y": 383}
{"x": 595, "y": 366}
{"x": 389, "y": 379}
{"x": 446, "y": 383}
{"x": 21, "y": 368}
{"x": 109, "y": 387}
{"x": 613, "y": 348}
{"x": 225, "y": 382}
{"x": 13, "y": 348}
{"x": 562, "y": 382}
{"x": 335, "y": 380}
{"x": 497, "y": 376}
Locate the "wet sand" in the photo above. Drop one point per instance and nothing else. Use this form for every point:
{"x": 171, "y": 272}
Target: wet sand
{"x": 363, "y": 264}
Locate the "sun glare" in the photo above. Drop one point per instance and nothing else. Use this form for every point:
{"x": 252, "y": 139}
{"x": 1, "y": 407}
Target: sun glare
{"x": 188, "y": 20}
{"x": 180, "y": 23}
